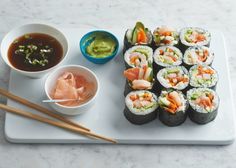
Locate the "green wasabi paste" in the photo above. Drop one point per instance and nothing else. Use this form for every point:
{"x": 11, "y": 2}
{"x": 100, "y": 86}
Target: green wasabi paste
{"x": 102, "y": 46}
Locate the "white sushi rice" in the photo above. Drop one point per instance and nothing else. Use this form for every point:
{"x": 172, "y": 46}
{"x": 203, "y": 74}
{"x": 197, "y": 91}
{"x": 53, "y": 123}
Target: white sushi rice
{"x": 164, "y": 82}
{"x": 205, "y": 42}
{"x": 140, "y": 111}
{"x": 198, "y": 108}
{"x": 144, "y": 50}
{"x": 190, "y": 54}
{"x": 182, "y": 98}
{"x": 210, "y": 80}
{"x": 157, "y": 56}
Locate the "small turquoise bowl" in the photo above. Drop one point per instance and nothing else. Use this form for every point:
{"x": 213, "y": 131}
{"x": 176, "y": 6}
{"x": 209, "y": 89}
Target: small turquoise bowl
{"x": 86, "y": 40}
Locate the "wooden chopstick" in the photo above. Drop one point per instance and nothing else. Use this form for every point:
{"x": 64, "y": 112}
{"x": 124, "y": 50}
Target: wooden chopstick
{"x": 40, "y": 108}
{"x": 55, "y": 123}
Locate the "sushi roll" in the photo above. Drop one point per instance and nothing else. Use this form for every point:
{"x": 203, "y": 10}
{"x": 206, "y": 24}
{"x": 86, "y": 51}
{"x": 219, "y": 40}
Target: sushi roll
{"x": 198, "y": 55}
{"x": 165, "y": 36}
{"x": 194, "y": 36}
{"x": 203, "y": 105}
{"x": 140, "y": 107}
{"x": 173, "y": 107}
{"x": 203, "y": 76}
{"x": 139, "y": 35}
{"x": 138, "y": 56}
{"x": 166, "y": 56}
{"x": 175, "y": 77}
{"x": 138, "y": 79}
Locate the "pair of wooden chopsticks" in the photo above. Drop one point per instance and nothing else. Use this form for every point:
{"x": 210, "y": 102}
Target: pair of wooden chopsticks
{"x": 65, "y": 124}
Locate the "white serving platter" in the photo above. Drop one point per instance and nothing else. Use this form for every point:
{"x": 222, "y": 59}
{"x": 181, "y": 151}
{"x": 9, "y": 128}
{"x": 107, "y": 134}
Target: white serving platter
{"x": 106, "y": 116}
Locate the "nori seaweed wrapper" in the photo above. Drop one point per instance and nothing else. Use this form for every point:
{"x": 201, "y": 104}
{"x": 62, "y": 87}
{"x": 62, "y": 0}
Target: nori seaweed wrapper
{"x": 170, "y": 119}
{"x": 201, "y": 118}
{"x": 191, "y": 87}
{"x": 139, "y": 119}
{"x": 156, "y": 68}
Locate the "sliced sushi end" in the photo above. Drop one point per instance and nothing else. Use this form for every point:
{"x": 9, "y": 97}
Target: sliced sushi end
{"x": 139, "y": 35}
{"x": 139, "y": 78}
{"x": 165, "y": 36}
{"x": 194, "y": 36}
{"x": 166, "y": 56}
{"x": 203, "y": 76}
{"x": 138, "y": 56}
{"x": 198, "y": 55}
{"x": 140, "y": 107}
{"x": 173, "y": 107}
{"x": 175, "y": 77}
{"x": 204, "y": 105}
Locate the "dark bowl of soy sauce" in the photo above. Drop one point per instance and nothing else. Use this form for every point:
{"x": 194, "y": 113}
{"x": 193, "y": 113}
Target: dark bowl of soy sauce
{"x": 34, "y": 49}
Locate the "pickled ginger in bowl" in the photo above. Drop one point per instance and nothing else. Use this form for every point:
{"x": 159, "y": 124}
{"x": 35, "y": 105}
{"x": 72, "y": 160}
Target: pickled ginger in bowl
{"x": 75, "y": 84}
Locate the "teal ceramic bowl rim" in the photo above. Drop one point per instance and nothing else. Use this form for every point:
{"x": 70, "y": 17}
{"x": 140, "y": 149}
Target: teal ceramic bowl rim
{"x": 82, "y": 46}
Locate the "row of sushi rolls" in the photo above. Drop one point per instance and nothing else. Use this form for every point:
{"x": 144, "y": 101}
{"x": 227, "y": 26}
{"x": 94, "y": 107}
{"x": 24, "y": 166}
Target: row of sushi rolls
{"x": 169, "y": 75}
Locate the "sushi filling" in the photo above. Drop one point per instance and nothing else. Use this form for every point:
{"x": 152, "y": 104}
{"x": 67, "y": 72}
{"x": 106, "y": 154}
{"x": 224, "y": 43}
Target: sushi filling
{"x": 141, "y": 102}
{"x": 166, "y": 36}
{"x": 139, "y": 34}
{"x": 203, "y": 100}
{"x": 195, "y": 36}
{"x": 167, "y": 56}
{"x": 139, "y": 78}
{"x": 203, "y": 76}
{"x": 139, "y": 56}
{"x": 175, "y": 77}
{"x": 198, "y": 55}
{"x": 172, "y": 101}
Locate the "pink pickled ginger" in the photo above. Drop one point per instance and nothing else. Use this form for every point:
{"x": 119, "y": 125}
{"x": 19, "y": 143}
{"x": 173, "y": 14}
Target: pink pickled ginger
{"x": 70, "y": 86}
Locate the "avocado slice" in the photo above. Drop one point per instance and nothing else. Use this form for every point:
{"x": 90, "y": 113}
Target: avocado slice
{"x": 138, "y": 26}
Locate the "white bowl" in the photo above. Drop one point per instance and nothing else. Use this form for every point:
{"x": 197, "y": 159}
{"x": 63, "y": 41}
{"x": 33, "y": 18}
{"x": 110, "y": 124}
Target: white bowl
{"x": 75, "y": 69}
{"x": 32, "y": 28}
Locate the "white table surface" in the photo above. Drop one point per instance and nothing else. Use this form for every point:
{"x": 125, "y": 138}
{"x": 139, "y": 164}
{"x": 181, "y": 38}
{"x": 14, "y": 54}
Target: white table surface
{"x": 105, "y": 14}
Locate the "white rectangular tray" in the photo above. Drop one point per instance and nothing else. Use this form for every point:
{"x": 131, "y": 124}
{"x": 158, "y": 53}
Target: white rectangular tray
{"x": 106, "y": 117}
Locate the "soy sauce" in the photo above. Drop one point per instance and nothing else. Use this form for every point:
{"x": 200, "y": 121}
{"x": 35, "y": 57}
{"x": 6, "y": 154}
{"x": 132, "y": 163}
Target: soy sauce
{"x": 35, "y": 52}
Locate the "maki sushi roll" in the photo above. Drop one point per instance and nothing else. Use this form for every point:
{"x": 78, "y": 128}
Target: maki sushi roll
{"x": 166, "y": 56}
{"x": 203, "y": 105}
{"x": 138, "y": 35}
{"x": 140, "y": 107}
{"x": 198, "y": 55}
{"x": 194, "y": 36}
{"x": 138, "y": 56}
{"x": 203, "y": 76}
{"x": 165, "y": 36}
{"x": 138, "y": 79}
{"x": 175, "y": 77}
{"x": 173, "y": 106}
